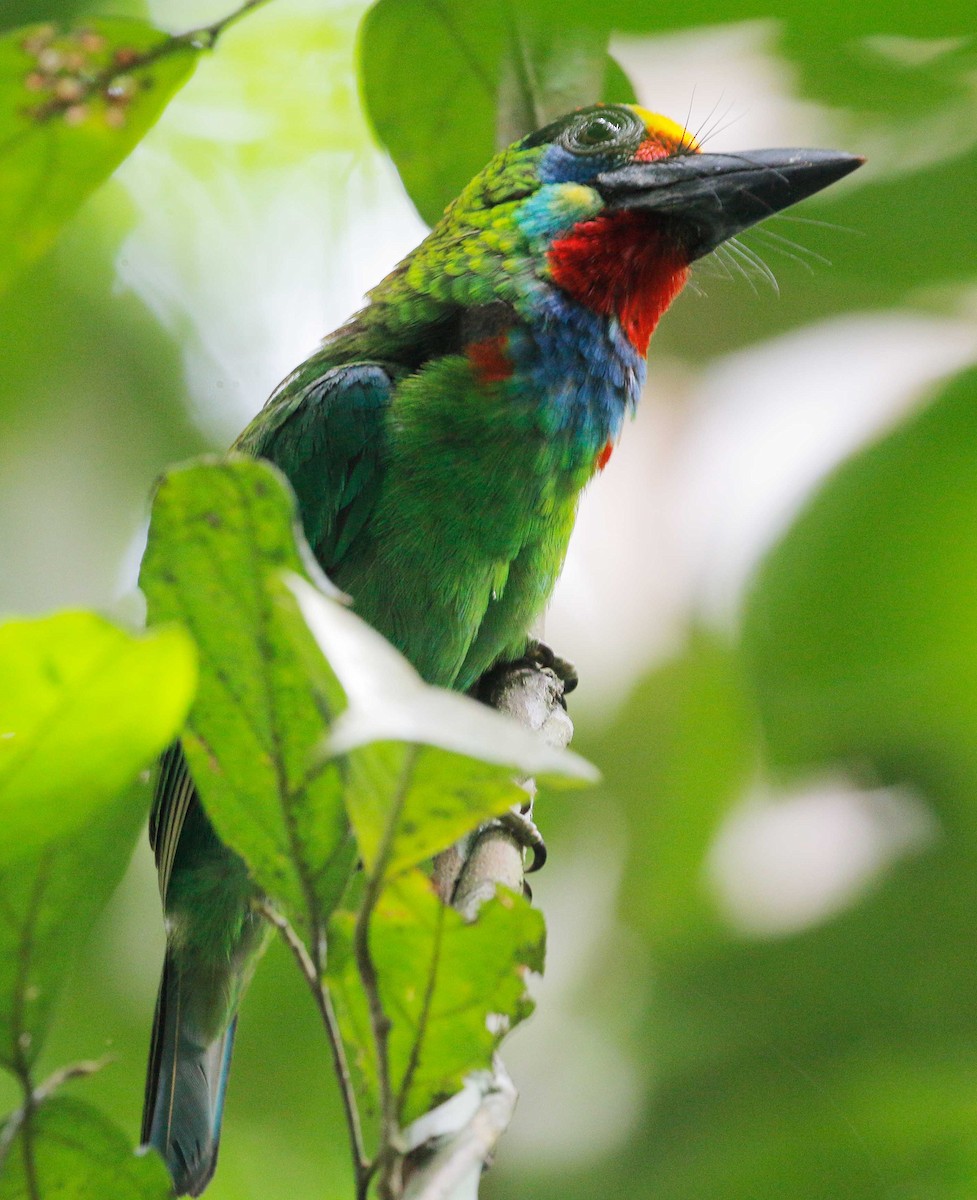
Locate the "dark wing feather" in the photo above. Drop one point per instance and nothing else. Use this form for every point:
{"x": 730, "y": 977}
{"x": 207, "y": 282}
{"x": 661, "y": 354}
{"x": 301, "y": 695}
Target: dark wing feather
{"x": 327, "y": 436}
{"x": 171, "y": 802}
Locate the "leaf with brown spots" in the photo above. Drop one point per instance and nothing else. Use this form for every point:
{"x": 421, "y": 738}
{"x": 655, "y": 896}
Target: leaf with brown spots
{"x": 73, "y": 104}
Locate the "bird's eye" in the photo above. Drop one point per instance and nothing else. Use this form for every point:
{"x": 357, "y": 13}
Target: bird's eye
{"x": 602, "y": 130}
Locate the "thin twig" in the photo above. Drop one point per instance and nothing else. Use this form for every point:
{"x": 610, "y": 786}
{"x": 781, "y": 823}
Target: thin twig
{"x": 17, "y": 1120}
{"x": 362, "y": 1167}
{"x": 30, "y": 1166}
{"x": 34, "y": 1097}
{"x": 21, "y": 1035}
{"x": 388, "y": 1159}
{"x": 77, "y": 1070}
{"x": 205, "y": 37}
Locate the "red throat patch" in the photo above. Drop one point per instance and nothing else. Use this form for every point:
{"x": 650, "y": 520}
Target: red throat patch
{"x": 620, "y": 265}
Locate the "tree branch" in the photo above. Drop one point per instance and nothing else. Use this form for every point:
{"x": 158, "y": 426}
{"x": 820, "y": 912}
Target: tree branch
{"x": 449, "y": 1147}
{"x": 533, "y": 696}
{"x": 460, "y": 1138}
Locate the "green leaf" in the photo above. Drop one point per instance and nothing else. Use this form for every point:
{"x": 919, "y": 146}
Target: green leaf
{"x": 423, "y": 765}
{"x": 76, "y": 1153}
{"x": 430, "y": 76}
{"x": 469, "y": 976}
{"x": 833, "y": 22}
{"x": 352, "y": 1011}
{"x": 73, "y": 104}
{"x": 49, "y": 901}
{"x": 546, "y": 70}
{"x": 222, "y": 531}
{"x": 446, "y": 84}
{"x": 83, "y": 708}
{"x": 443, "y": 984}
{"x": 618, "y": 88}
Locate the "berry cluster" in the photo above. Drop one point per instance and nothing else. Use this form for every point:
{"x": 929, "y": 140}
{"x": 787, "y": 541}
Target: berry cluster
{"x": 75, "y": 73}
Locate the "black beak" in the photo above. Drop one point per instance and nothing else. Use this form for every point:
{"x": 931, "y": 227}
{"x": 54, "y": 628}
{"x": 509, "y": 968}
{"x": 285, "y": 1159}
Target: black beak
{"x": 712, "y": 197}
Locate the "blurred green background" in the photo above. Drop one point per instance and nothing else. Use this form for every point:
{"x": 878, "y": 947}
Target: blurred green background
{"x": 762, "y": 975}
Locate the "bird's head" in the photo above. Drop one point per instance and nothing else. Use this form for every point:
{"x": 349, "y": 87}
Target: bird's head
{"x": 610, "y": 204}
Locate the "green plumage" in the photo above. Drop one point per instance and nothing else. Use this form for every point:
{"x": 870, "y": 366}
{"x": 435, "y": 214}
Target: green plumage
{"x": 440, "y": 503}
{"x": 450, "y": 554}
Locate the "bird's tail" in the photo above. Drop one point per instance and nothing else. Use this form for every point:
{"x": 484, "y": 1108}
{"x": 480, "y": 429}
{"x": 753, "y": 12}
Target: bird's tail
{"x": 185, "y": 1087}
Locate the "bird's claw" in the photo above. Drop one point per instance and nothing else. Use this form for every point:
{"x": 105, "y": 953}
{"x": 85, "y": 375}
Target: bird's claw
{"x": 521, "y": 826}
{"x": 540, "y": 655}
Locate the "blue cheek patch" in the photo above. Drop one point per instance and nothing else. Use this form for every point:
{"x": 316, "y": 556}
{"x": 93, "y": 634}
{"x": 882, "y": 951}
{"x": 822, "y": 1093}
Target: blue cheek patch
{"x": 555, "y": 208}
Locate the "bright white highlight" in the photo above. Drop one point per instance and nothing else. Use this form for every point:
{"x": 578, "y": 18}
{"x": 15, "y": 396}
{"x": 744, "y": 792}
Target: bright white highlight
{"x": 783, "y": 863}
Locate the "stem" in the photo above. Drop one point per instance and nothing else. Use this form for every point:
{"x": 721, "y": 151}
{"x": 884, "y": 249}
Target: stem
{"x": 63, "y": 1075}
{"x": 362, "y": 1167}
{"x": 34, "y": 1097}
{"x": 205, "y": 37}
{"x": 21, "y": 1035}
{"x": 30, "y": 1167}
{"x": 388, "y": 1159}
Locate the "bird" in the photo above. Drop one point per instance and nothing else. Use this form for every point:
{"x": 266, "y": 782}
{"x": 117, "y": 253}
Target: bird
{"x": 437, "y": 445}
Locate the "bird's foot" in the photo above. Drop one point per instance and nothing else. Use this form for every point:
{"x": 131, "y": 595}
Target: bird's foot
{"x": 491, "y": 687}
{"x": 519, "y": 824}
{"x": 538, "y": 654}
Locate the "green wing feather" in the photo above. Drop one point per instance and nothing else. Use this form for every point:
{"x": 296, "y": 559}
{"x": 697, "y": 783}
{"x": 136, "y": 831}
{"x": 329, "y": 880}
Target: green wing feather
{"x": 327, "y": 436}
